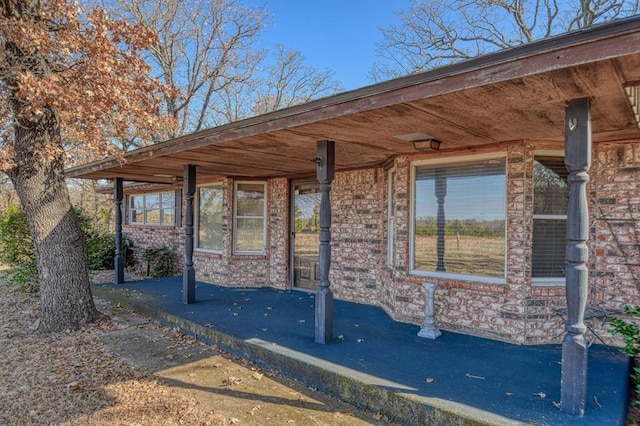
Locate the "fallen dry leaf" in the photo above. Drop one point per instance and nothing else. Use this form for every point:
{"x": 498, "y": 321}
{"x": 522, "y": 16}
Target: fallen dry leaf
{"x": 540, "y": 394}
{"x": 360, "y": 340}
{"x": 471, "y": 376}
{"x": 257, "y": 376}
{"x": 557, "y": 405}
{"x": 254, "y": 410}
{"x": 430, "y": 380}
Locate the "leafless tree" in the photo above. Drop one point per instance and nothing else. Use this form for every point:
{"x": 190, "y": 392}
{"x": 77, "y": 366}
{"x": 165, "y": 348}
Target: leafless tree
{"x": 208, "y": 51}
{"x": 203, "y": 46}
{"x": 291, "y": 82}
{"x": 437, "y": 32}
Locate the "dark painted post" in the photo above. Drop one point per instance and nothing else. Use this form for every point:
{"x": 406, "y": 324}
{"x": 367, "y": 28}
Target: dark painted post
{"x": 189, "y": 273}
{"x": 118, "y": 260}
{"x": 324, "y": 297}
{"x": 577, "y": 158}
{"x": 441, "y": 193}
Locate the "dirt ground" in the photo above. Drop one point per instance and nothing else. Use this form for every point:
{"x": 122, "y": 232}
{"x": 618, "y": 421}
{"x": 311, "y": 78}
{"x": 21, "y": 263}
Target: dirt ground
{"x": 130, "y": 370}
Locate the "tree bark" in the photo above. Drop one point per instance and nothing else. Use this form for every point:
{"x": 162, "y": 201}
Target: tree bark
{"x": 66, "y": 301}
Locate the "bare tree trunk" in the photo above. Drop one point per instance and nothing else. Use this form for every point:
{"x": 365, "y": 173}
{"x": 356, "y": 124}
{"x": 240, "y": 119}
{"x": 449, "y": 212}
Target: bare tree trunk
{"x": 65, "y": 294}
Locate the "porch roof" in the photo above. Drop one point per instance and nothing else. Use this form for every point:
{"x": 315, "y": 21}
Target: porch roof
{"x": 515, "y": 94}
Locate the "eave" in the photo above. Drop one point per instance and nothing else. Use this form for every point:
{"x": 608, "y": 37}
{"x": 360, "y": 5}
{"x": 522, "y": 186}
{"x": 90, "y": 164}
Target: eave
{"x": 515, "y": 94}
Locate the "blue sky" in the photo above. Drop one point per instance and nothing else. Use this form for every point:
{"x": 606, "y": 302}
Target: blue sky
{"x": 337, "y": 34}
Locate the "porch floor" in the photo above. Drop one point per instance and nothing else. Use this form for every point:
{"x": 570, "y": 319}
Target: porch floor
{"x": 382, "y": 365}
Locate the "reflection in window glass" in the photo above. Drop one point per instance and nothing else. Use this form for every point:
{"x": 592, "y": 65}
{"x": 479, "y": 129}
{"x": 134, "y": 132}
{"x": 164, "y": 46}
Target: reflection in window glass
{"x": 459, "y": 219}
{"x": 250, "y": 217}
{"x": 210, "y": 218}
{"x": 550, "y": 199}
{"x": 153, "y": 209}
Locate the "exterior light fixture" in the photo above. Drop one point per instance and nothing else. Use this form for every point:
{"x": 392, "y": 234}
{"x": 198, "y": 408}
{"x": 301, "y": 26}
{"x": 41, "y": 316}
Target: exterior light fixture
{"x": 421, "y": 141}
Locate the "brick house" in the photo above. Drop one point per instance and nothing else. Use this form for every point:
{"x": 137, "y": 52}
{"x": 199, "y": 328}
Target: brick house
{"x": 455, "y": 176}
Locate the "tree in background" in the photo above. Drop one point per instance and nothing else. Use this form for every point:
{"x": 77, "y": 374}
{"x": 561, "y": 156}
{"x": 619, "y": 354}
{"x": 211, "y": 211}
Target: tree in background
{"x": 438, "y": 32}
{"x": 290, "y": 82}
{"x": 208, "y": 51}
{"x": 69, "y": 83}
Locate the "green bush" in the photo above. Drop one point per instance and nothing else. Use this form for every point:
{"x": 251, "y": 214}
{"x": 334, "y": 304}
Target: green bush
{"x": 16, "y": 247}
{"x": 159, "y": 261}
{"x": 16, "y": 250}
{"x": 631, "y": 337}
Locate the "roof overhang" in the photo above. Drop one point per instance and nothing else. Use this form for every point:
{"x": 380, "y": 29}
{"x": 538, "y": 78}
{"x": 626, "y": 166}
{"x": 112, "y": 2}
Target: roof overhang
{"x": 515, "y": 94}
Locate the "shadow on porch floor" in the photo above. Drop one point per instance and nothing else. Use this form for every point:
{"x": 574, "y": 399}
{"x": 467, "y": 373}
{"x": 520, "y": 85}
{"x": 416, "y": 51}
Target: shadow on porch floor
{"x": 381, "y": 365}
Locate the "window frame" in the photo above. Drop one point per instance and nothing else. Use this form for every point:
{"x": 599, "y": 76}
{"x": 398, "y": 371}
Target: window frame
{"x": 451, "y": 161}
{"x": 197, "y": 219}
{"x": 391, "y": 208}
{"x": 160, "y": 208}
{"x": 236, "y": 217}
{"x": 545, "y": 281}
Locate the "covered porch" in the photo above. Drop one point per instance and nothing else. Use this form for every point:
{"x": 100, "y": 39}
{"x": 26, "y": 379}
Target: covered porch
{"x": 572, "y": 94}
{"x": 380, "y": 364}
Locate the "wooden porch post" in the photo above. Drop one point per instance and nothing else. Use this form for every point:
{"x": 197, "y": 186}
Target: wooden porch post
{"x": 324, "y": 297}
{"x": 189, "y": 273}
{"x": 577, "y": 158}
{"x": 118, "y": 260}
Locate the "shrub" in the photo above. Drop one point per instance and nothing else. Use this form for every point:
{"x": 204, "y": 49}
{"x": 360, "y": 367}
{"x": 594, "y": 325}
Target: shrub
{"x": 631, "y": 337}
{"x": 16, "y": 249}
{"x": 159, "y": 261}
{"x": 101, "y": 246}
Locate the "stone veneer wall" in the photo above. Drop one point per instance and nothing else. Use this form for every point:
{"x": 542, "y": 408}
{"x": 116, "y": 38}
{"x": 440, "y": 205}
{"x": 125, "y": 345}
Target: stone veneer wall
{"x": 358, "y": 233}
{"x": 516, "y": 311}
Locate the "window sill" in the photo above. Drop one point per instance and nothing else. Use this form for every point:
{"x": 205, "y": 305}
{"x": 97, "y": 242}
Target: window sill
{"x": 548, "y": 282}
{"x": 458, "y": 277}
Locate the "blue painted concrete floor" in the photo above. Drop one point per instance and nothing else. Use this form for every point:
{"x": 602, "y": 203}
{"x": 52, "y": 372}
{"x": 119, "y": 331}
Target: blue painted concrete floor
{"x": 488, "y": 380}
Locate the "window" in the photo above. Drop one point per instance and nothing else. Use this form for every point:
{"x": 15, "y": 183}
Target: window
{"x": 249, "y": 217}
{"x": 153, "y": 209}
{"x": 459, "y": 220}
{"x": 550, "y": 199}
{"x": 390, "y": 217}
{"x": 209, "y": 220}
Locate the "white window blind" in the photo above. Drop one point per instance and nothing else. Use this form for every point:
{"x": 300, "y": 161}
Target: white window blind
{"x": 551, "y": 196}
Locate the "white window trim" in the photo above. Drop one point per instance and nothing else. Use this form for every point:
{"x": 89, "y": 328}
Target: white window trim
{"x": 197, "y": 219}
{"x": 144, "y": 210}
{"x": 390, "y": 218}
{"x": 547, "y": 281}
{"x": 412, "y": 196}
{"x": 264, "y": 217}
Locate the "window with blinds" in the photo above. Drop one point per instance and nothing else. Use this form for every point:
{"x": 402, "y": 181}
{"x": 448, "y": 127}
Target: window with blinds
{"x": 550, "y": 199}
{"x": 459, "y": 218}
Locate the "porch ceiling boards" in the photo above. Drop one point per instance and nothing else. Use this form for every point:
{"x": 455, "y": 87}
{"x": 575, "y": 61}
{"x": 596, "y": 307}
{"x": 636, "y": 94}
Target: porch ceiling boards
{"x": 510, "y": 95}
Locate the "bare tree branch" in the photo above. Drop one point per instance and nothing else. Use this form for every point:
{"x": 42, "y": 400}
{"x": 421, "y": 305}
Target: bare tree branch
{"x": 437, "y": 32}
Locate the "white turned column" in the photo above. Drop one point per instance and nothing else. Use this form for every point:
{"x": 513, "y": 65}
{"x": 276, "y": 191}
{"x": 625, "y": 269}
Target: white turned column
{"x": 429, "y": 328}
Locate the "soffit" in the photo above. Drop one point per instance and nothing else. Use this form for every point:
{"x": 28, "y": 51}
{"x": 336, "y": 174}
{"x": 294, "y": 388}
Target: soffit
{"x": 521, "y": 99}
